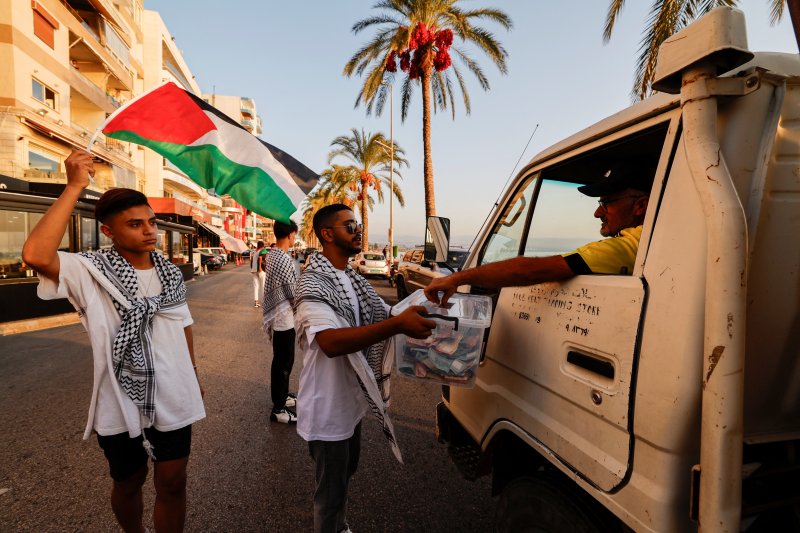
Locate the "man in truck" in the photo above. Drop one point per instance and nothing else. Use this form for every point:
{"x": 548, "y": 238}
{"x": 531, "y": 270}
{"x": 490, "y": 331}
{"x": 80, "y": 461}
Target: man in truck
{"x": 622, "y": 194}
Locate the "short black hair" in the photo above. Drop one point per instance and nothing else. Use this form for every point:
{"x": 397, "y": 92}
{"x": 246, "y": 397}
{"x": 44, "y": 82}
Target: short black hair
{"x": 283, "y": 230}
{"x": 117, "y": 200}
{"x": 324, "y": 215}
{"x": 260, "y": 244}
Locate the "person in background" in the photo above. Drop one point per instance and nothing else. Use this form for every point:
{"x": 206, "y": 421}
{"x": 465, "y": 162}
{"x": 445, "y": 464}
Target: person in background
{"x": 257, "y": 269}
{"x": 278, "y": 321}
{"x": 343, "y": 326}
{"x": 132, "y": 302}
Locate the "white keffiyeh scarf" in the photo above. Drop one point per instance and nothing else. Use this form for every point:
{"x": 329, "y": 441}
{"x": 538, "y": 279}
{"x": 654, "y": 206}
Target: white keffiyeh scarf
{"x": 132, "y": 354}
{"x": 319, "y": 283}
{"x": 281, "y": 278}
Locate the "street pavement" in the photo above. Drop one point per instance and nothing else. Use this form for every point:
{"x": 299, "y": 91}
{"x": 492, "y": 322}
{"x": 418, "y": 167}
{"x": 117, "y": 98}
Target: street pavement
{"x": 245, "y": 473}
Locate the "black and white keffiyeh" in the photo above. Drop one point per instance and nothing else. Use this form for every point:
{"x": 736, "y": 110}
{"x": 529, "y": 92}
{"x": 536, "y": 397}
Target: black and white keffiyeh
{"x": 319, "y": 283}
{"x": 281, "y": 278}
{"x": 132, "y": 354}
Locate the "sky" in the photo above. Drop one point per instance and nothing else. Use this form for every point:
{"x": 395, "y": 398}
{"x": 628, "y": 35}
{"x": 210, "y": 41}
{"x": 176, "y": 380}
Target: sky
{"x": 289, "y": 57}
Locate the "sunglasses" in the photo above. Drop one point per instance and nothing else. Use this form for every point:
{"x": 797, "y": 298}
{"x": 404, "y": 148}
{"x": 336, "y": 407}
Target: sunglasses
{"x": 352, "y": 227}
{"x": 605, "y": 203}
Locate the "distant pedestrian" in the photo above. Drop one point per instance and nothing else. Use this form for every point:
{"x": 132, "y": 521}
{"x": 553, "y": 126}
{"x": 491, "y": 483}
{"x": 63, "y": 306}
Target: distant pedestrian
{"x": 277, "y": 304}
{"x": 132, "y": 302}
{"x": 257, "y": 269}
{"x": 386, "y": 252}
{"x": 343, "y": 326}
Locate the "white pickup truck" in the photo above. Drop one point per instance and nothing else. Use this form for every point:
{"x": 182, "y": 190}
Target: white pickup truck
{"x": 667, "y": 400}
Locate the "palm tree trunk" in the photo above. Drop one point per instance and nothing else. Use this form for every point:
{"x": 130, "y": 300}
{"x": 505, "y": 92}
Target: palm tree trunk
{"x": 365, "y": 234}
{"x": 430, "y": 201}
{"x": 794, "y": 14}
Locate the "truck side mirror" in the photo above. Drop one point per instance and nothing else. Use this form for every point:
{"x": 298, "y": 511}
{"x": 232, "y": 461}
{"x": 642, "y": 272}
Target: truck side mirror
{"x": 437, "y": 239}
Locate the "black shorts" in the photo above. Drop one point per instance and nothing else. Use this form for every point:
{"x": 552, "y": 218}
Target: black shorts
{"x": 126, "y": 456}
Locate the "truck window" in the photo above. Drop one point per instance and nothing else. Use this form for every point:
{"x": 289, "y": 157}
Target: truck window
{"x": 508, "y": 232}
{"x": 562, "y": 221}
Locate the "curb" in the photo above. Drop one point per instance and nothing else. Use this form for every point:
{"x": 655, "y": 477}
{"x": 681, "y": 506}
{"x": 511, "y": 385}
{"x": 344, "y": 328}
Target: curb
{"x": 37, "y": 324}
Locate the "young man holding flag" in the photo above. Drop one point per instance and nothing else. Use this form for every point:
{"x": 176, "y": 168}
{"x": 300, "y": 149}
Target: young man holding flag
{"x": 132, "y": 302}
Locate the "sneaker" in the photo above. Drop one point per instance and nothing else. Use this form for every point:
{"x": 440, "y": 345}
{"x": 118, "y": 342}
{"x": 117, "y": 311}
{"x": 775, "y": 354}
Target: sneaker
{"x": 291, "y": 400}
{"x": 284, "y": 416}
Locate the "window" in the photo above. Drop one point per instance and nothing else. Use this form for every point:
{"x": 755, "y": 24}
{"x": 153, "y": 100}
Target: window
{"x": 507, "y": 234}
{"x": 38, "y": 159}
{"x": 43, "y": 93}
{"x": 115, "y": 43}
{"x": 552, "y": 233}
{"x": 44, "y": 24}
{"x": 547, "y": 215}
{"x": 15, "y": 226}
{"x": 88, "y": 234}
{"x": 162, "y": 243}
{"x": 180, "y": 247}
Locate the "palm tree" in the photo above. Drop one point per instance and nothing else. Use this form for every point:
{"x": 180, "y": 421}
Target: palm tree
{"x": 420, "y": 34}
{"x": 370, "y": 158}
{"x": 325, "y": 193}
{"x": 670, "y": 16}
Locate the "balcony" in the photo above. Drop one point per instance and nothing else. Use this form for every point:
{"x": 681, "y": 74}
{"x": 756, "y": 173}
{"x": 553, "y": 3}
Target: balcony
{"x": 248, "y": 112}
{"x": 214, "y": 201}
{"x": 96, "y": 47}
{"x": 248, "y": 103}
{"x": 248, "y": 124}
{"x": 178, "y": 181}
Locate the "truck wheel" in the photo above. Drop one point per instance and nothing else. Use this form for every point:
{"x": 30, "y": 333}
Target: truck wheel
{"x": 402, "y": 292}
{"x": 544, "y": 503}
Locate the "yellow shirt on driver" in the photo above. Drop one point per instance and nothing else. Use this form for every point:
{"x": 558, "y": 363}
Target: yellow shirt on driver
{"x": 615, "y": 255}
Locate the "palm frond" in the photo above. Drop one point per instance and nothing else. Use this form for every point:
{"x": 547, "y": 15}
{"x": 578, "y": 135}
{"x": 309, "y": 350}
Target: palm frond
{"x": 776, "y": 8}
{"x": 405, "y": 99}
{"x": 372, "y": 21}
{"x": 614, "y": 9}
{"x": 473, "y": 67}
{"x": 494, "y": 15}
{"x": 464, "y": 91}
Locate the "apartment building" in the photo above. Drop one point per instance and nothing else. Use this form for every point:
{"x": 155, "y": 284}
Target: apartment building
{"x": 65, "y": 65}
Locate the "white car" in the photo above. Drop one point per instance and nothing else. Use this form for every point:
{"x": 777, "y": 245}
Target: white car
{"x": 370, "y": 264}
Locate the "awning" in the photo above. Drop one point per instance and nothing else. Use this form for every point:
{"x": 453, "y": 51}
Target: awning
{"x": 231, "y": 243}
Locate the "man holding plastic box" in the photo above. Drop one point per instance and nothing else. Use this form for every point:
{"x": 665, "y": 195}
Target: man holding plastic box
{"x": 342, "y": 327}
{"x": 623, "y": 193}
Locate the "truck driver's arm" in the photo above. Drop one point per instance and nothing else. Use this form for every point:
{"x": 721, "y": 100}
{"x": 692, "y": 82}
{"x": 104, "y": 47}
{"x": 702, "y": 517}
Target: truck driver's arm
{"x": 514, "y": 272}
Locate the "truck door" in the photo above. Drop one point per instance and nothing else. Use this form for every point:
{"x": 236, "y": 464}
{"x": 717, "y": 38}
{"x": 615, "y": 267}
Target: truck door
{"x": 562, "y": 356}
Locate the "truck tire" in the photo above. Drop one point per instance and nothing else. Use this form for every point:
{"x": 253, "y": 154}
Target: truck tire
{"x": 546, "y": 504}
{"x": 402, "y": 292}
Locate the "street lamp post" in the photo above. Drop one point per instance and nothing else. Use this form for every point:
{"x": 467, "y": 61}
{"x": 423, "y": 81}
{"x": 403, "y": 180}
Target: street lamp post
{"x": 391, "y": 174}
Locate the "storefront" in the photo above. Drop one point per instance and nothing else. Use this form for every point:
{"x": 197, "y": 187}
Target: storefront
{"x": 19, "y": 213}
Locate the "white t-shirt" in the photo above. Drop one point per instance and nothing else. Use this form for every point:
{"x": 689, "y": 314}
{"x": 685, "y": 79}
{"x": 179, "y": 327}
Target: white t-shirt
{"x": 282, "y": 318}
{"x": 177, "y": 395}
{"x": 330, "y": 400}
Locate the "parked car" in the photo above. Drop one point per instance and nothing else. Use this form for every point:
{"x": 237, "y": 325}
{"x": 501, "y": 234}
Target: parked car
{"x": 370, "y": 264}
{"x": 413, "y": 272}
{"x": 211, "y": 262}
{"x": 216, "y": 251}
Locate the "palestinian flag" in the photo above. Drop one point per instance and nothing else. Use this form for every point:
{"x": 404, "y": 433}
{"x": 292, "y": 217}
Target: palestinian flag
{"x": 213, "y": 150}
